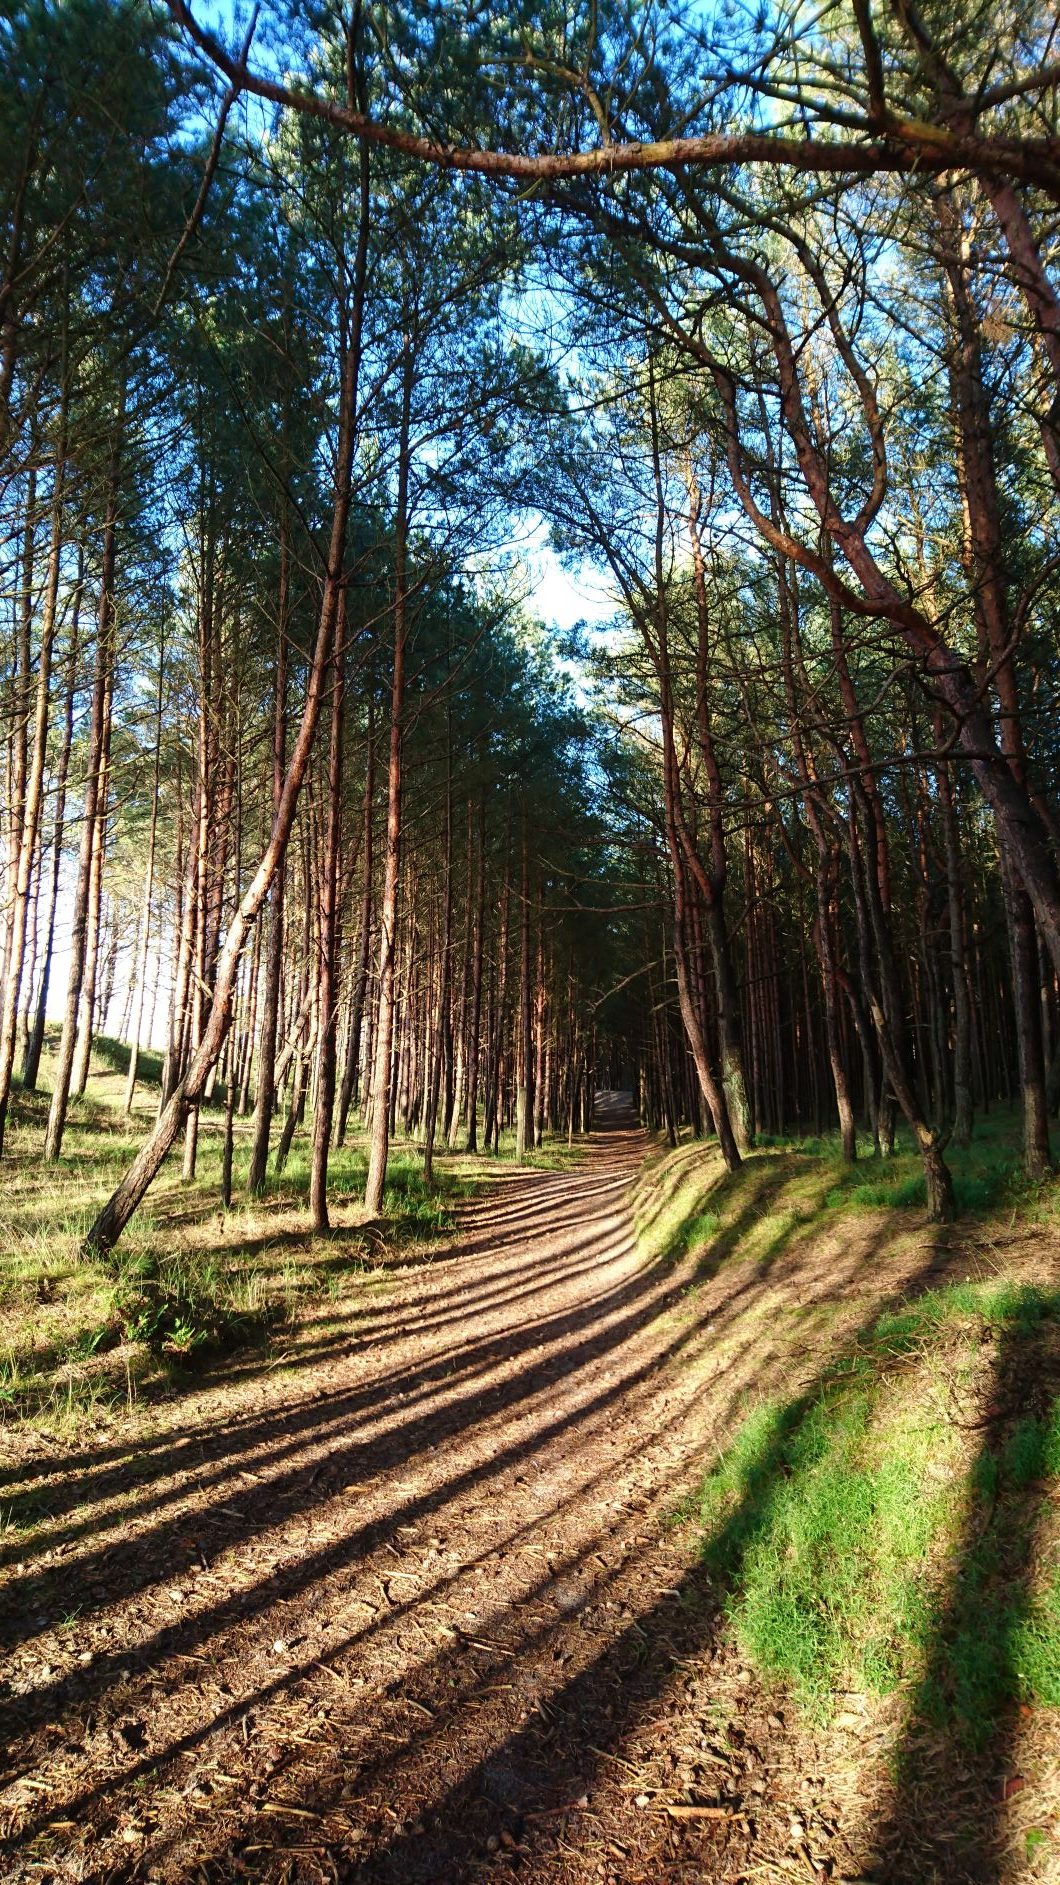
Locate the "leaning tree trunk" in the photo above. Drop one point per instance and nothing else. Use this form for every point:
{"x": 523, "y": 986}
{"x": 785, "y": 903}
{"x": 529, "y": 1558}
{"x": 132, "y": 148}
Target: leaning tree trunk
{"x": 265, "y": 1094}
{"x": 1021, "y": 830}
{"x": 119, "y": 1208}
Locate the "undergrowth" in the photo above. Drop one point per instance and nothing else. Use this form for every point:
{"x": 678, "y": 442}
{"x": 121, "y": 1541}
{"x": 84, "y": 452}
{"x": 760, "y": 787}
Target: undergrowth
{"x": 115, "y": 1056}
{"x": 188, "y": 1280}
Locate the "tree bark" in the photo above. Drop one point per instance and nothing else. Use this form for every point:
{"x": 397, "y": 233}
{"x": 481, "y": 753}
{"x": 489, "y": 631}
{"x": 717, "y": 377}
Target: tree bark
{"x": 140, "y": 968}
{"x": 445, "y": 967}
{"x": 104, "y": 667}
{"x": 327, "y": 943}
{"x": 29, "y": 832}
{"x": 351, "y": 1078}
{"x": 524, "y": 1087}
{"x": 123, "y": 1202}
{"x": 388, "y": 916}
{"x": 475, "y": 1019}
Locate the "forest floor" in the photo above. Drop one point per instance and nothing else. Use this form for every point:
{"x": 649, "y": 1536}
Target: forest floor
{"x": 438, "y": 1586}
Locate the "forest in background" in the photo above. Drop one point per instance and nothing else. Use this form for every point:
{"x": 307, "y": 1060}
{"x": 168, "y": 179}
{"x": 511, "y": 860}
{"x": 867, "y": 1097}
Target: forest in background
{"x": 299, "y": 342}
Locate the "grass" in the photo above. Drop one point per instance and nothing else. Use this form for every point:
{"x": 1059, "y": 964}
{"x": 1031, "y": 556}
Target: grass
{"x": 893, "y": 1526}
{"x": 115, "y": 1055}
{"x": 987, "y": 1173}
{"x": 685, "y": 1203}
{"x": 865, "y": 1543}
{"x": 188, "y": 1280}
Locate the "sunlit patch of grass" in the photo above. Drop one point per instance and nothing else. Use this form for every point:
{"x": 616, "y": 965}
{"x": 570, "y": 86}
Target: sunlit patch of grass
{"x": 830, "y": 1570}
{"x": 1002, "y": 1636}
{"x": 686, "y": 1204}
{"x": 553, "y": 1155}
{"x": 189, "y": 1279}
{"x": 116, "y": 1055}
{"x": 987, "y": 1173}
{"x": 670, "y": 1202}
{"x": 866, "y": 1543}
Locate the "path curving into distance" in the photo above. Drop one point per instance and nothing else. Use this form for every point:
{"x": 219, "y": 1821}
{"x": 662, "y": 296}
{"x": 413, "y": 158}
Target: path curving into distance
{"x": 410, "y": 1606}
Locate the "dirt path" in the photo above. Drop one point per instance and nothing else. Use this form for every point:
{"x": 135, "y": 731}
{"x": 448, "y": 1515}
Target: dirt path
{"x": 410, "y": 1607}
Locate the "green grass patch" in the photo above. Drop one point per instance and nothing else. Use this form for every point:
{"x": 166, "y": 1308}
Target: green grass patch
{"x": 686, "y": 1204}
{"x": 987, "y": 1173}
{"x": 860, "y": 1547}
{"x": 115, "y": 1056}
{"x": 188, "y": 1279}
{"x": 999, "y": 1634}
{"x": 826, "y": 1530}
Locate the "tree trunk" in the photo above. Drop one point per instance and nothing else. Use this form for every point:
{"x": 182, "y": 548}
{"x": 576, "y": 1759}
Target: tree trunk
{"x": 476, "y": 986}
{"x": 87, "y": 1019}
{"x": 265, "y": 1094}
{"x": 34, "y": 792}
{"x": 986, "y": 574}
{"x": 35, "y": 1044}
{"x": 140, "y": 969}
{"x": 111, "y": 1221}
{"x": 388, "y": 917}
{"x": 445, "y": 968}
{"x": 524, "y": 1088}
{"x": 328, "y": 982}
{"x": 352, "y": 1073}
{"x": 104, "y": 665}
{"x": 712, "y": 883}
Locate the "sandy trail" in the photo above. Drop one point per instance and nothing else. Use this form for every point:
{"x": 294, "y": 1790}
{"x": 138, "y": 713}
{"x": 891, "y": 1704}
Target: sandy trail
{"x": 411, "y": 1607}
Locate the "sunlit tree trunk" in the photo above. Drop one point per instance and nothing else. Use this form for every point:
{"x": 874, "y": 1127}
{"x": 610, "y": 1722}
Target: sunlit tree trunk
{"x": 445, "y": 967}
{"x": 35, "y": 1044}
{"x": 524, "y": 1081}
{"x": 352, "y": 1074}
{"x": 144, "y": 955}
{"x": 32, "y": 801}
{"x": 111, "y": 1221}
{"x": 96, "y": 764}
{"x": 382, "y": 1077}
{"x": 327, "y": 943}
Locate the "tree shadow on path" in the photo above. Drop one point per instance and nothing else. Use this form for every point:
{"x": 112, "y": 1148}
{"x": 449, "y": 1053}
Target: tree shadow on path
{"x": 471, "y": 1709}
